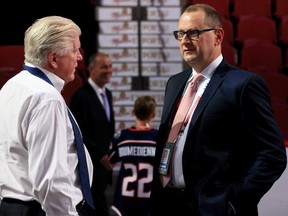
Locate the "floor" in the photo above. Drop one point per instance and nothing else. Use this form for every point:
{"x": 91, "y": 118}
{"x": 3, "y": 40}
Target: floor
{"x": 274, "y": 203}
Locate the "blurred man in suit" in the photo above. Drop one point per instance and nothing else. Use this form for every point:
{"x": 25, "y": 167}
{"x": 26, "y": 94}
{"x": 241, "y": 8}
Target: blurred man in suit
{"x": 96, "y": 120}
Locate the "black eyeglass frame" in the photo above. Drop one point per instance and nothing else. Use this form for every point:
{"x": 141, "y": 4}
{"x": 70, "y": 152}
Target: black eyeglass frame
{"x": 196, "y": 32}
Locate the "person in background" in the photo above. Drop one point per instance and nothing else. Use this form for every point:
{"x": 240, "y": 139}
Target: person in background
{"x": 228, "y": 150}
{"x": 134, "y": 148}
{"x": 38, "y": 154}
{"x": 96, "y": 120}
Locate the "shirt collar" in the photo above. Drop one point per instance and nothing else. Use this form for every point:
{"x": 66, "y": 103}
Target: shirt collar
{"x": 57, "y": 82}
{"x": 96, "y": 88}
{"x": 210, "y": 69}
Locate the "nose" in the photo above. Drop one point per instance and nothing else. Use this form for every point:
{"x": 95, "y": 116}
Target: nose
{"x": 110, "y": 69}
{"x": 79, "y": 56}
{"x": 185, "y": 38}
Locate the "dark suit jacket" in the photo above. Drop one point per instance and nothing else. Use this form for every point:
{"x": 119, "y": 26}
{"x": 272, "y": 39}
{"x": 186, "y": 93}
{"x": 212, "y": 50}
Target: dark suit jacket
{"x": 97, "y": 131}
{"x": 233, "y": 151}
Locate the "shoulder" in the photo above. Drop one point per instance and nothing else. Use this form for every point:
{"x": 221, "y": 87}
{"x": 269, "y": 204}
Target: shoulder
{"x": 244, "y": 76}
{"x": 154, "y": 132}
{"x": 241, "y": 81}
{"x": 235, "y": 74}
{"x": 121, "y": 133}
{"x": 84, "y": 91}
{"x": 182, "y": 75}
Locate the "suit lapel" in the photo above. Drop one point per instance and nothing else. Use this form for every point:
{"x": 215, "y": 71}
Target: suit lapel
{"x": 95, "y": 101}
{"x": 173, "y": 94}
{"x": 110, "y": 100}
{"x": 210, "y": 90}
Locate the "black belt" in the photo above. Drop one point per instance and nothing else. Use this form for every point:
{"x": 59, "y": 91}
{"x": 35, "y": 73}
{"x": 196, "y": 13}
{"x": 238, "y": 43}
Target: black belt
{"x": 83, "y": 208}
{"x": 17, "y": 201}
{"x": 34, "y": 207}
{"x": 81, "y": 204}
{"x": 176, "y": 192}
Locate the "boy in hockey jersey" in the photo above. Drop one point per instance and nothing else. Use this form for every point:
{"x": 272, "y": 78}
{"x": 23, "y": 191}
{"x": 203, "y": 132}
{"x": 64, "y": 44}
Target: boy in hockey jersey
{"x": 135, "y": 148}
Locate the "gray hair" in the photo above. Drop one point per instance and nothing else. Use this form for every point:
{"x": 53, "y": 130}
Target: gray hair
{"x": 49, "y": 34}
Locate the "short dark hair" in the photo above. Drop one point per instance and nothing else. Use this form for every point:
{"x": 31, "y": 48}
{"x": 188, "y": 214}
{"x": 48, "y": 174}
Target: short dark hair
{"x": 144, "y": 106}
{"x": 92, "y": 59}
{"x": 212, "y": 18}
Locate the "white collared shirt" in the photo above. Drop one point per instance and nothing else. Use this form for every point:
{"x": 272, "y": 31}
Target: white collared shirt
{"x": 38, "y": 157}
{"x": 177, "y": 178}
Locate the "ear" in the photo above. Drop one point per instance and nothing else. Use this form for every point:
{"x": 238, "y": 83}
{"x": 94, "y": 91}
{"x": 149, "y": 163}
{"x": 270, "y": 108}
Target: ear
{"x": 52, "y": 59}
{"x": 153, "y": 115}
{"x": 219, "y": 36}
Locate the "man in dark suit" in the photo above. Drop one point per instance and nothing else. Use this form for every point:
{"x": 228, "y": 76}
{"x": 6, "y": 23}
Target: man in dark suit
{"x": 229, "y": 151}
{"x": 97, "y": 126}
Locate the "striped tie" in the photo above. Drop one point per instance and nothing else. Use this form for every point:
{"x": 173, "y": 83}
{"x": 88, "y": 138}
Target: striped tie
{"x": 181, "y": 117}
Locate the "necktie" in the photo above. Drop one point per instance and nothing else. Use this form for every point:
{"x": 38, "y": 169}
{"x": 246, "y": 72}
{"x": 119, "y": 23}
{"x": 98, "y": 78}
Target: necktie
{"x": 106, "y": 104}
{"x": 180, "y": 120}
{"x": 84, "y": 176}
{"x": 83, "y": 170}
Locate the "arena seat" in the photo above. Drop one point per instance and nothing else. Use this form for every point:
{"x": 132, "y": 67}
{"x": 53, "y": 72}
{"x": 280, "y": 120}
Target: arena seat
{"x": 277, "y": 84}
{"x": 281, "y": 8}
{"x": 228, "y": 31}
{"x": 247, "y": 7}
{"x": 230, "y": 54}
{"x": 255, "y": 26}
{"x": 283, "y": 30}
{"x": 222, "y": 6}
{"x": 12, "y": 60}
{"x": 281, "y": 115}
{"x": 255, "y": 53}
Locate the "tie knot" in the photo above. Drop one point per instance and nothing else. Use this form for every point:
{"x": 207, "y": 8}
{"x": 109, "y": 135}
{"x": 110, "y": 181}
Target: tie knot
{"x": 197, "y": 78}
{"x": 103, "y": 93}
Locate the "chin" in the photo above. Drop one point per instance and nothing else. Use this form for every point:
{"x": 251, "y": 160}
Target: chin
{"x": 189, "y": 58}
{"x": 70, "y": 78}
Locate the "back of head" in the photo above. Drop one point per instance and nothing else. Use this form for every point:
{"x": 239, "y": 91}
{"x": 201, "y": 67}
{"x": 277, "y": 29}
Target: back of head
{"x": 144, "y": 107}
{"x": 49, "y": 34}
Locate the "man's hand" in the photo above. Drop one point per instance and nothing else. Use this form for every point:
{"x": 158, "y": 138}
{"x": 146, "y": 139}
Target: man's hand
{"x": 106, "y": 163}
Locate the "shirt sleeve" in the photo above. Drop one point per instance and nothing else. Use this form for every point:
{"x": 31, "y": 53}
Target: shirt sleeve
{"x": 52, "y": 158}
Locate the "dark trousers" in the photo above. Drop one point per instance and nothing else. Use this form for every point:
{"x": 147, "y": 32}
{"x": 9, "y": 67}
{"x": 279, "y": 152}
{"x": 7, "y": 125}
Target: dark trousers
{"x": 13, "y": 207}
{"x": 101, "y": 205}
{"x": 83, "y": 209}
{"x": 171, "y": 202}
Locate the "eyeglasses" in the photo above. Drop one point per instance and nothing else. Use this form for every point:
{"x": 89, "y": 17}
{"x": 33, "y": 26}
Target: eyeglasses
{"x": 192, "y": 34}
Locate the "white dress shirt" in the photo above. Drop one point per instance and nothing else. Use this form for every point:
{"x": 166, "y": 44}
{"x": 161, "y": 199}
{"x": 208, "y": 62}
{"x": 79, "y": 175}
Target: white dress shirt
{"x": 177, "y": 178}
{"x": 38, "y": 157}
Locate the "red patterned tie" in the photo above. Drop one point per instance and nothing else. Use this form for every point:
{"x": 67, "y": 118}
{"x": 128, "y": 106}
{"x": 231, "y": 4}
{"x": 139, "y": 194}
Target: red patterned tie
{"x": 181, "y": 116}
